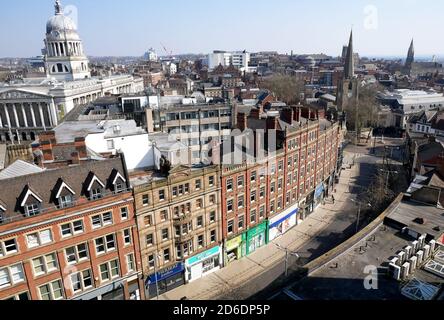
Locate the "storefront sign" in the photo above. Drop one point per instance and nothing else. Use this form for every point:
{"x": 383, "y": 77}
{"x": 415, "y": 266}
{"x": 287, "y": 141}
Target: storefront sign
{"x": 166, "y": 273}
{"x": 202, "y": 256}
{"x": 282, "y": 223}
{"x": 234, "y": 243}
{"x": 256, "y": 237}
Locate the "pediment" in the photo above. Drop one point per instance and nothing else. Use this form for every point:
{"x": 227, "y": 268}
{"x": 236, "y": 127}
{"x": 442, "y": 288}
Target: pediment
{"x": 20, "y": 94}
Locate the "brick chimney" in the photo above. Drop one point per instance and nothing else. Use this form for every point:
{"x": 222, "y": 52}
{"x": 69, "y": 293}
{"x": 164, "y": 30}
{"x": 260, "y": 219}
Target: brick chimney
{"x": 80, "y": 145}
{"x": 48, "y": 136}
{"x": 46, "y": 148}
{"x": 272, "y": 122}
{"x": 242, "y": 121}
{"x": 75, "y": 158}
{"x": 255, "y": 113}
{"x": 287, "y": 115}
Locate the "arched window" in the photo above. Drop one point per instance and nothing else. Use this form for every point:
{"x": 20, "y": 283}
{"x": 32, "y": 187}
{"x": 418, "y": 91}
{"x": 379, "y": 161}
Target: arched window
{"x": 66, "y": 68}
{"x": 54, "y": 70}
{"x": 59, "y": 67}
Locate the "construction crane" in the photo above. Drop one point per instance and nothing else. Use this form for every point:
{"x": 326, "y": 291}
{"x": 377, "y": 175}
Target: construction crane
{"x": 169, "y": 53}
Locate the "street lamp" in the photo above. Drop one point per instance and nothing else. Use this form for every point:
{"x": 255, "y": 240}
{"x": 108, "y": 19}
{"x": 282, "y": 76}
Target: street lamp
{"x": 359, "y": 204}
{"x": 287, "y": 253}
{"x": 388, "y": 175}
{"x": 156, "y": 257}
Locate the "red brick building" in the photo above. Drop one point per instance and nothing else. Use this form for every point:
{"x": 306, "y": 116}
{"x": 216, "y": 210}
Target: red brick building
{"x": 266, "y": 197}
{"x": 70, "y": 233}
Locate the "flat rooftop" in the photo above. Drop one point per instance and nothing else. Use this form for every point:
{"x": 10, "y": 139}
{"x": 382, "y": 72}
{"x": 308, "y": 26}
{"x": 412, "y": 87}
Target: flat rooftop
{"x": 407, "y": 212}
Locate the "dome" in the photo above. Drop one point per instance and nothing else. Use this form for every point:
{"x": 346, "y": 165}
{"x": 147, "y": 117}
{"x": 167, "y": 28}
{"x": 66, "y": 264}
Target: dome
{"x": 60, "y": 23}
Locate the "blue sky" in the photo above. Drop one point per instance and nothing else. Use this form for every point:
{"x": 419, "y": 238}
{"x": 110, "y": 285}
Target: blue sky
{"x": 130, "y": 27}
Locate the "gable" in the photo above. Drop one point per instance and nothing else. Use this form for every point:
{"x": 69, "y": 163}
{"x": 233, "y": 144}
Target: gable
{"x": 63, "y": 189}
{"x": 28, "y": 194}
{"x": 20, "y": 94}
{"x": 92, "y": 180}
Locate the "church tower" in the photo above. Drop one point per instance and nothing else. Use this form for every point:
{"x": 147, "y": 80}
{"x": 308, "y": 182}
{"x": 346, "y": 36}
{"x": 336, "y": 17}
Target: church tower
{"x": 410, "y": 59}
{"x": 347, "y": 94}
{"x": 65, "y": 59}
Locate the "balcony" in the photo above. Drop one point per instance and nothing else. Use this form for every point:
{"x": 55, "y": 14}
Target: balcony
{"x": 183, "y": 238}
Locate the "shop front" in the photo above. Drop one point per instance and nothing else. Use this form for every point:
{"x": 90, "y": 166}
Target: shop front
{"x": 319, "y": 195}
{"x": 165, "y": 280}
{"x": 256, "y": 237}
{"x": 282, "y": 222}
{"x": 203, "y": 264}
{"x": 235, "y": 248}
{"x": 309, "y": 204}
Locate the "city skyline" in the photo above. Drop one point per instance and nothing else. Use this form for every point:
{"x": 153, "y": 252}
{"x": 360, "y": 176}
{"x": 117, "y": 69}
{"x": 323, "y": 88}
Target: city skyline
{"x": 174, "y": 26}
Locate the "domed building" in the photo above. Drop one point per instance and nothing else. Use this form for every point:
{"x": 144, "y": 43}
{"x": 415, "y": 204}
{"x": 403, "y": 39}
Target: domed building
{"x": 32, "y": 105}
{"x": 65, "y": 58}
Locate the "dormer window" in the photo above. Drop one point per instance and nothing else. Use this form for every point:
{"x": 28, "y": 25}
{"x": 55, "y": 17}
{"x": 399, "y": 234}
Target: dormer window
{"x": 30, "y": 202}
{"x": 95, "y": 187}
{"x": 118, "y": 182}
{"x": 64, "y": 195}
{"x": 2, "y": 212}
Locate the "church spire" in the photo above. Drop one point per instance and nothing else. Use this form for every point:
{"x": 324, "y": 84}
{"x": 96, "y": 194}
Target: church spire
{"x": 349, "y": 69}
{"x": 411, "y": 54}
{"x": 58, "y": 7}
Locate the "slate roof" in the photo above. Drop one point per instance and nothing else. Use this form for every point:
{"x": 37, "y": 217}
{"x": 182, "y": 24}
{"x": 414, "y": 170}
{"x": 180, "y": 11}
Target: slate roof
{"x": 46, "y": 184}
{"x": 19, "y": 168}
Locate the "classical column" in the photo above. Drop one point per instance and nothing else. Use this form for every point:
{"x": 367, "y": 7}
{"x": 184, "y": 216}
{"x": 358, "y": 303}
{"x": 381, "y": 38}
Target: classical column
{"x": 41, "y": 116}
{"x": 54, "y": 113}
{"x": 8, "y": 119}
{"x": 1, "y": 122}
{"x": 14, "y": 110}
{"x": 25, "y": 118}
{"x": 34, "y": 124}
{"x": 49, "y": 115}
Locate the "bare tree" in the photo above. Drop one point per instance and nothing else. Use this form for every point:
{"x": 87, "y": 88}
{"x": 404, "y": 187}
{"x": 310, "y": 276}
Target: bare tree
{"x": 286, "y": 88}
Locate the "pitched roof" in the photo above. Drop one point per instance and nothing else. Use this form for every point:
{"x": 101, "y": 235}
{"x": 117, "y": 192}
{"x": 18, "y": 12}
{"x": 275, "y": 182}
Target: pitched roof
{"x": 46, "y": 184}
{"x": 18, "y": 169}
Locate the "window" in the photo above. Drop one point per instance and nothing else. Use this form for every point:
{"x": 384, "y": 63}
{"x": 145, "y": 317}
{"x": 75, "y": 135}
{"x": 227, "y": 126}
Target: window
{"x": 102, "y": 220}
{"x": 166, "y": 255}
{"x": 230, "y": 205}
{"x": 32, "y": 209}
{"x": 212, "y": 216}
{"x": 81, "y": 281}
{"x": 151, "y": 262}
{"x": 253, "y": 176}
{"x": 127, "y": 237}
{"x": 200, "y": 241}
{"x": 230, "y": 228}
{"x": 45, "y": 264}
{"x": 253, "y": 216}
{"x": 77, "y": 253}
{"x": 240, "y": 202}
{"x": 262, "y": 212}
{"x": 130, "y": 265}
{"x": 149, "y": 239}
{"x": 124, "y": 213}
{"x": 241, "y": 222}
{"x": 273, "y": 187}
{"x": 199, "y": 222}
{"x": 148, "y": 220}
{"x": 212, "y": 199}
{"x": 119, "y": 187}
{"x": 262, "y": 192}
{"x": 280, "y": 184}
{"x": 211, "y": 181}
{"x": 66, "y": 201}
{"x": 51, "y": 291}
{"x": 253, "y": 196}
{"x": 20, "y": 297}
{"x": 96, "y": 193}
{"x": 199, "y": 203}
{"x": 163, "y": 215}
{"x": 272, "y": 206}
{"x": 281, "y": 165}
{"x": 213, "y": 236}
{"x": 230, "y": 185}
{"x": 162, "y": 195}
{"x": 145, "y": 200}
{"x": 198, "y": 184}
{"x": 71, "y": 228}
{"x": 165, "y": 234}
{"x": 39, "y": 238}
{"x": 105, "y": 244}
{"x": 240, "y": 181}
{"x": 8, "y": 247}
{"x": 109, "y": 270}
{"x": 110, "y": 144}
{"x": 11, "y": 275}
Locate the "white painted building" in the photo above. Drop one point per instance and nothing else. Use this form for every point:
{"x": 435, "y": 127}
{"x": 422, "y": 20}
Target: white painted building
{"x": 151, "y": 55}
{"x": 239, "y": 59}
{"x": 110, "y": 137}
